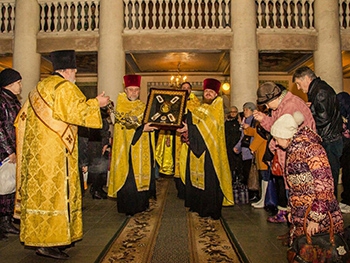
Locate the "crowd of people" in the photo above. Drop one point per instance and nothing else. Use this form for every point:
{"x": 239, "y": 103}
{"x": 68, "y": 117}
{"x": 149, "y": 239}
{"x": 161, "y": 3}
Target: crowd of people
{"x": 58, "y": 137}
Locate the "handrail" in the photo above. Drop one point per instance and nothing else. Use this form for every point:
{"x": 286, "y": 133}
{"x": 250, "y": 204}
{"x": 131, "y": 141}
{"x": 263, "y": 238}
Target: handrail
{"x": 170, "y": 15}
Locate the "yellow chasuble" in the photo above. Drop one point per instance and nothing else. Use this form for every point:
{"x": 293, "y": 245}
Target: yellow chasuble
{"x": 182, "y": 148}
{"x": 140, "y": 152}
{"x": 164, "y": 152}
{"x": 48, "y": 181}
{"x": 209, "y": 119}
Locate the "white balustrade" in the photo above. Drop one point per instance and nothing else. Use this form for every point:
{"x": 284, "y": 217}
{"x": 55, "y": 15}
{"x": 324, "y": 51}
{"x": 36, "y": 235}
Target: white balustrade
{"x": 60, "y": 16}
{"x": 177, "y": 14}
{"x": 78, "y": 15}
{"x": 7, "y": 17}
{"x": 296, "y": 14}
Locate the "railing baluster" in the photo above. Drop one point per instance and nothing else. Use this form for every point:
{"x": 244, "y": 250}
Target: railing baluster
{"x": 220, "y": 16}
{"x": 206, "y": 15}
{"x": 186, "y": 12}
{"x": 147, "y": 14}
{"x": 133, "y": 12}
{"x": 89, "y": 20}
{"x": 6, "y": 19}
{"x": 303, "y": 13}
{"x": 227, "y": 14}
{"x": 154, "y": 16}
{"x": 54, "y": 17}
{"x": 274, "y": 13}
{"x": 347, "y": 14}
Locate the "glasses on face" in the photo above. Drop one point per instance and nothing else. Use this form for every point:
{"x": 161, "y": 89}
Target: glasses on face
{"x": 234, "y": 111}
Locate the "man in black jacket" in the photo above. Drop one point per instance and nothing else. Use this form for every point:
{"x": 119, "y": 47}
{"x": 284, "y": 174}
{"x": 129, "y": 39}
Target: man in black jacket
{"x": 325, "y": 110}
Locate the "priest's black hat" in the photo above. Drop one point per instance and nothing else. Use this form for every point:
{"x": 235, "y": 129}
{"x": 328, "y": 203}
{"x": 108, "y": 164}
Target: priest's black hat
{"x": 63, "y": 59}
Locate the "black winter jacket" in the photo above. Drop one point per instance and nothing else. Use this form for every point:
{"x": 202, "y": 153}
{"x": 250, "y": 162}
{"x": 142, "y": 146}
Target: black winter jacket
{"x": 325, "y": 110}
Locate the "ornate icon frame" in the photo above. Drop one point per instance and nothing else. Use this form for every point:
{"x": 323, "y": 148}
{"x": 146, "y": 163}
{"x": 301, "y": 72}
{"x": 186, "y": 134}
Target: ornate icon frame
{"x": 165, "y": 108}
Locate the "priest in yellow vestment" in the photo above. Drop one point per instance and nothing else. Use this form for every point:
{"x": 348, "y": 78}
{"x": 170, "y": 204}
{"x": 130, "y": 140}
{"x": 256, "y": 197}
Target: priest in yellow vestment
{"x": 48, "y": 178}
{"x": 208, "y": 178}
{"x": 131, "y": 178}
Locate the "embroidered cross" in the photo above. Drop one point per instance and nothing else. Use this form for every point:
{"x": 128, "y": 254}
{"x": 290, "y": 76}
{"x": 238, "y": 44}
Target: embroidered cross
{"x": 23, "y": 116}
{"x": 69, "y": 139}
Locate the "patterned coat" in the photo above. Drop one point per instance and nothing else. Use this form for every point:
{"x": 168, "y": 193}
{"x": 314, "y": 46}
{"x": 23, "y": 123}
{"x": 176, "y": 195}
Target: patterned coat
{"x": 310, "y": 181}
{"x": 9, "y": 107}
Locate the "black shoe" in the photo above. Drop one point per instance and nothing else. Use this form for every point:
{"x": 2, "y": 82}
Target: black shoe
{"x": 103, "y": 194}
{"x": 51, "y": 252}
{"x": 98, "y": 195}
{"x": 3, "y": 236}
{"x": 7, "y": 227}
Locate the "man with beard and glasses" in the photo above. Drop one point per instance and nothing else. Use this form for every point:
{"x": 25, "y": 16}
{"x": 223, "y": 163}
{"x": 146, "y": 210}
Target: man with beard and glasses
{"x": 208, "y": 178}
{"x": 131, "y": 178}
{"x": 47, "y": 158}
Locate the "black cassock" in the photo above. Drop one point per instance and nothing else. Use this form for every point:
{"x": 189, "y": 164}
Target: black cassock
{"x": 207, "y": 202}
{"x": 129, "y": 200}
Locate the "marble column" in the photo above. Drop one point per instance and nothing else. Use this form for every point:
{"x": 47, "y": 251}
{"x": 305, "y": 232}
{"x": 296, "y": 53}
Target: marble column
{"x": 327, "y": 57}
{"x": 25, "y": 58}
{"x": 244, "y": 58}
{"x": 111, "y": 57}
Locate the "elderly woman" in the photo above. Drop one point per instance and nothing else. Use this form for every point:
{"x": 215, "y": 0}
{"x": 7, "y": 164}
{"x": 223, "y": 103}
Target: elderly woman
{"x": 308, "y": 175}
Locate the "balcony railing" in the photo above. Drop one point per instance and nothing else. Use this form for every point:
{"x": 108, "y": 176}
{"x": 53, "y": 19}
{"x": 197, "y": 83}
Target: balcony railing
{"x": 159, "y": 15}
{"x": 7, "y": 16}
{"x": 72, "y": 16}
{"x": 176, "y": 14}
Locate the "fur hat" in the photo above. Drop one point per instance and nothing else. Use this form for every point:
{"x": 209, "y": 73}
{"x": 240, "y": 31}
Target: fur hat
{"x": 287, "y": 125}
{"x": 267, "y": 92}
{"x": 249, "y": 105}
{"x": 213, "y": 84}
{"x": 63, "y": 59}
{"x": 132, "y": 80}
{"x": 9, "y": 76}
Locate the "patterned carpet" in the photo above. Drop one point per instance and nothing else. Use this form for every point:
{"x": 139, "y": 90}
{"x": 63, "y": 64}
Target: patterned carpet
{"x": 168, "y": 233}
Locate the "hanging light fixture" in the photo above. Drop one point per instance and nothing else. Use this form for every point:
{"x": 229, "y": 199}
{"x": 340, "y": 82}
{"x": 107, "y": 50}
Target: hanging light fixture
{"x": 176, "y": 80}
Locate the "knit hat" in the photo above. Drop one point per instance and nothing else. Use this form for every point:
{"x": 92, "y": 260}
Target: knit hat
{"x": 287, "y": 125}
{"x": 132, "y": 80}
{"x": 9, "y": 76}
{"x": 249, "y": 105}
{"x": 267, "y": 92}
{"x": 213, "y": 84}
{"x": 63, "y": 59}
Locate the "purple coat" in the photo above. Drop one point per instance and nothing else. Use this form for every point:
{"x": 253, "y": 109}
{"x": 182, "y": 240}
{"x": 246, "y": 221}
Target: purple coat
{"x": 9, "y": 108}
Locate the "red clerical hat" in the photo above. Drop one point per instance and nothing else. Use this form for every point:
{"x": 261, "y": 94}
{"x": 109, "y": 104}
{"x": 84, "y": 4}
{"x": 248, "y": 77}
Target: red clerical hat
{"x": 132, "y": 80}
{"x": 213, "y": 84}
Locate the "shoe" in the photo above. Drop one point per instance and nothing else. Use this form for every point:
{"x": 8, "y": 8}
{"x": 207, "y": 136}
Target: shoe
{"x": 3, "y": 236}
{"x": 254, "y": 199}
{"x": 51, "y": 252}
{"x": 280, "y": 217}
{"x": 342, "y": 205}
{"x": 98, "y": 195}
{"x": 345, "y": 209}
{"x": 7, "y": 227}
{"x": 92, "y": 190}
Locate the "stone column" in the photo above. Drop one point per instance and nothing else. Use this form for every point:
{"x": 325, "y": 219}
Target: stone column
{"x": 111, "y": 57}
{"x": 25, "y": 58}
{"x": 327, "y": 57}
{"x": 244, "y": 58}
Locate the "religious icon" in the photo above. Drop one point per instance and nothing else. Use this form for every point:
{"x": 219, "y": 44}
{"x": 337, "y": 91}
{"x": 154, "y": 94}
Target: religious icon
{"x": 165, "y": 108}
